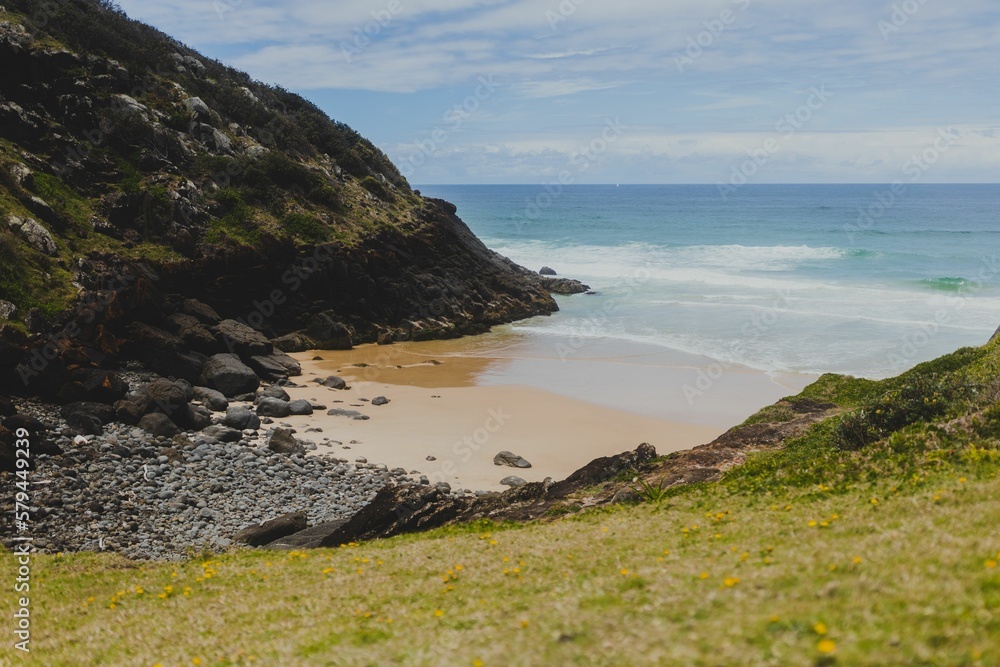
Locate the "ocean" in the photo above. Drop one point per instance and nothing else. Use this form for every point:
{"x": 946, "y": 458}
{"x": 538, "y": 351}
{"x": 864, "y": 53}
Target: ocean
{"x": 857, "y": 279}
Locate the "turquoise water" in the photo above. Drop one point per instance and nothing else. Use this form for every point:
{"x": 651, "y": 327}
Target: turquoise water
{"x": 786, "y": 278}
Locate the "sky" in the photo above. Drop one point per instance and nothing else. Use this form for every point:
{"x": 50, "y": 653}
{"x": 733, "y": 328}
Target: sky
{"x": 632, "y": 91}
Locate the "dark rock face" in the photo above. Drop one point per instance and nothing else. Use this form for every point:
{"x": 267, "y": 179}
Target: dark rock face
{"x": 228, "y": 375}
{"x": 546, "y": 271}
{"x": 272, "y": 530}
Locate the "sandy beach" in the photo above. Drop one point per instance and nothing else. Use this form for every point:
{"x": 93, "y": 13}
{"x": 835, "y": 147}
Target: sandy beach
{"x": 455, "y": 404}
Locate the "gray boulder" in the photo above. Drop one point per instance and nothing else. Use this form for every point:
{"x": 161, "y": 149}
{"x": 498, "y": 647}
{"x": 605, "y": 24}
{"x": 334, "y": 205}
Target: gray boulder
{"x": 512, "y": 481}
{"x": 506, "y": 458}
{"x": 380, "y": 400}
{"x": 273, "y": 407}
{"x": 196, "y": 417}
{"x": 333, "y": 382}
{"x": 274, "y": 391}
{"x": 546, "y": 271}
{"x": 227, "y": 374}
{"x": 241, "y": 418}
{"x": 300, "y": 407}
{"x": 34, "y": 234}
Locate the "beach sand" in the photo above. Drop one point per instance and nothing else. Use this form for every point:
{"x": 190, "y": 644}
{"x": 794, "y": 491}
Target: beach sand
{"x": 464, "y": 400}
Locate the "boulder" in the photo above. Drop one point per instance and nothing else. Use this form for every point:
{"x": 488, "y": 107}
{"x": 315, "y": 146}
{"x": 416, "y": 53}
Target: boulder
{"x": 227, "y": 374}
{"x": 211, "y": 399}
{"x": 167, "y": 396}
{"x": 563, "y": 285}
{"x": 380, "y": 400}
{"x": 176, "y": 363}
{"x": 159, "y": 425}
{"x": 242, "y": 339}
{"x": 272, "y": 530}
{"x": 7, "y": 407}
{"x": 275, "y": 391}
{"x": 300, "y": 407}
{"x": 268, "y": 368}
{"x": 241, "y": 418}
{"x": 32, "y": 231}
{"x": 506, "y": 458}
{"x": 282, "y": 441}
{"x": 104, "y": 413}
{"x": 546, "y": 271}
{"x": 512, "y": 481}
{"x": 273, "y": 407}
{"x": 333, "y": 382}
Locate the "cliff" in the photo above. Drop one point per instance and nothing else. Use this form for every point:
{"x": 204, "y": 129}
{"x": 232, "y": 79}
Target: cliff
{"x": 148, "y": 194}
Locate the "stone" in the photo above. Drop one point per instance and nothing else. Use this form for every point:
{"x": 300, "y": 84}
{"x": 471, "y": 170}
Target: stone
{"x": 7, "y": 310}
{"x": 273, "y": 407}
{"x": 227, "y": 374}
{"x": 506, "y": 458}
{"x": 197, "y": 106}
{"x": 274, "y": 391}
{"x": 563, "y": 285}
{"x": 167, "y": 396}
{"x": 211, "y": 399}
{"x": 546, "y": 271}
{"x": 310, "y": 538}
{"x": 282, "y": 441}
{"x": 268, "y": 368}
{"x": 353, "y": 414}
{"x": 380, "y": 400}
{"x": 512, "y": 481}
{"x": 275, "y": 529}
{"x": 158, "y": 424}
{"x": 128, "y": 412}
{"x": 625, "y": 497}
{"x": 34, "y": 234}
{"x": 333, "y": 382}
{"x": 241, "y": 418}
{"x": 223, "y": 433}
{"x": 300, "y": 407}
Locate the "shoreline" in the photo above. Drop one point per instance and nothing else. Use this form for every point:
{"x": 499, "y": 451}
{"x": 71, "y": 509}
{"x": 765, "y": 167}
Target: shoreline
{"x": 462, "y": 401}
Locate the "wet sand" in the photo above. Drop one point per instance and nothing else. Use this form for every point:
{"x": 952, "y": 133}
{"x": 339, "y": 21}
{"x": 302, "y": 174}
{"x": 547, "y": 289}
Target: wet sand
{"x": 464, "y": 400}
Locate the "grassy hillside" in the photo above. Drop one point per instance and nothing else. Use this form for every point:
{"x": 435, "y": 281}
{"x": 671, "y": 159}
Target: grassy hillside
{"x": 870, "y": 540}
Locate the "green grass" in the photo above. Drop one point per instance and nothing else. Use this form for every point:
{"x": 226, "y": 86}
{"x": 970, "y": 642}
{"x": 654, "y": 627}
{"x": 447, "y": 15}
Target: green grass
{"x": 711, "y": 577}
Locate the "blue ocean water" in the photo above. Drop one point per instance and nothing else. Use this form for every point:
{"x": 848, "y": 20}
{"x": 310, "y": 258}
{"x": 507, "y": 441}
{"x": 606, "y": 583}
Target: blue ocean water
{"x": 854, "y": 279}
